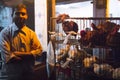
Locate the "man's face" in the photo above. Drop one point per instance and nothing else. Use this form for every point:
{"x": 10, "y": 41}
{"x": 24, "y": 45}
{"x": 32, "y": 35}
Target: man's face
{"x": 20, "y": 17}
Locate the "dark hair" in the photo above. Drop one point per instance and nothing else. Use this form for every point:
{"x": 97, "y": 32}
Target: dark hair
{"x": 20, "y": 6}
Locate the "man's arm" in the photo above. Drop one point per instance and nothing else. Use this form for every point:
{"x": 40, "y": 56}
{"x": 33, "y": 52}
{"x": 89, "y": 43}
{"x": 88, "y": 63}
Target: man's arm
{"x": 35, "y": 48}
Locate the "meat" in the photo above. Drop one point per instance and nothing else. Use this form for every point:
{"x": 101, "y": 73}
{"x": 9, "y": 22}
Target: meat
{"x": 69, "y": 26}
{"x": 62, "y": 17}
{"x": 116, "y": 74}
{"x": 101, "y": 35}
{"x": 103, "y": 70}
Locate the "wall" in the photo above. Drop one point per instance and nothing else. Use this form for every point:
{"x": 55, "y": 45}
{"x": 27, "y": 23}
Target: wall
{"x": 41, "y": 21}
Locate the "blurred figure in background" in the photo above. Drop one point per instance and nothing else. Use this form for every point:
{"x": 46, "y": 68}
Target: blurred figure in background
{"x": 5, "y": 15}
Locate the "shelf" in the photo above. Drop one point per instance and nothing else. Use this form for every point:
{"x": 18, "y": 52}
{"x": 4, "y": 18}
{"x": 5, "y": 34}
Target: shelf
{"x": 70, "y": 41}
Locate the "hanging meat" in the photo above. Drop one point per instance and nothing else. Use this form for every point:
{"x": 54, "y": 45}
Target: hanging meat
{"x": 69, "y": 26}
{"x": 100, "y": 35}
{"x": 62, "y": 17}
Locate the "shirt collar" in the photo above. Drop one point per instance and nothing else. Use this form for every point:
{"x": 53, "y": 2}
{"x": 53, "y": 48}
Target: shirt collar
{"x": 15, "y": 29}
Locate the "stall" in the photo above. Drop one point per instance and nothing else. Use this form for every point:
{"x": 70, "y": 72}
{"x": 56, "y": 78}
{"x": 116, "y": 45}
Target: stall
{"x": 85, "y": 48}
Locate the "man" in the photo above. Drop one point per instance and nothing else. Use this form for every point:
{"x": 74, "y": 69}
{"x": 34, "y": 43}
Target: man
{"x": 19, "y": 47}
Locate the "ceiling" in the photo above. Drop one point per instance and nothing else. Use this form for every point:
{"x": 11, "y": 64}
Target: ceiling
{"x": 59, "y": 2}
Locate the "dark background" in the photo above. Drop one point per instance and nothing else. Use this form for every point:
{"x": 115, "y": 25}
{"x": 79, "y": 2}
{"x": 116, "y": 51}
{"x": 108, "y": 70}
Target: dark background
{"x": 31, "y": 14}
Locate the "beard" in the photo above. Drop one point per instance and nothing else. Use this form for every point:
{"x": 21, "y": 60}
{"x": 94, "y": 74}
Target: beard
{"x": 20, "y": 22}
